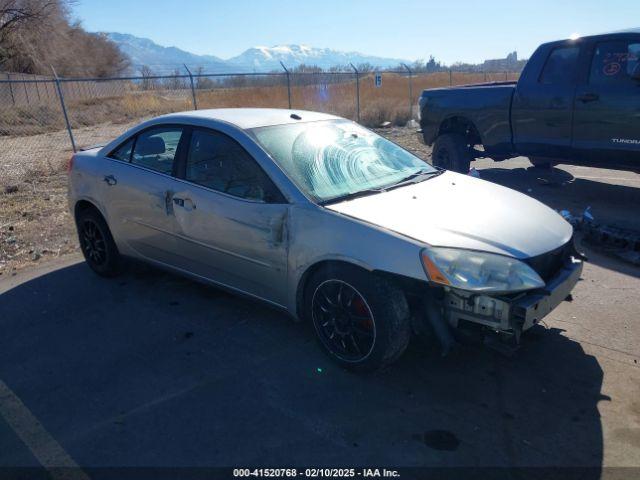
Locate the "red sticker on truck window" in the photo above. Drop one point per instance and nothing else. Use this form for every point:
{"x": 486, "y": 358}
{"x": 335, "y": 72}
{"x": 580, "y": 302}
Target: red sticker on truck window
{"x": 611, "y": 69}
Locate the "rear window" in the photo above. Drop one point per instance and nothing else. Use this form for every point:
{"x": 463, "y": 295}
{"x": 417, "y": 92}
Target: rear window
{"x": 156, "y": 148}
{"x": 560, "y": 68}
{"x": 123, "y": 152}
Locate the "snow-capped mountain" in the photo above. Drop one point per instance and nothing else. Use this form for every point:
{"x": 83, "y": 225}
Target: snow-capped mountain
{"x": 269, "y": 58}
{"x": 161, "y": 60}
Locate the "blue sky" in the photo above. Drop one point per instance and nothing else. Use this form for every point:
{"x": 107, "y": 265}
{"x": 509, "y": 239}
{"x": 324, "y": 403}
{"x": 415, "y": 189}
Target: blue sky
{"x": 451, "y": 30}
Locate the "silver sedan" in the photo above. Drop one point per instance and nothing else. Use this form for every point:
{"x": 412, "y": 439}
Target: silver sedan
{"x": 328, "y": 221}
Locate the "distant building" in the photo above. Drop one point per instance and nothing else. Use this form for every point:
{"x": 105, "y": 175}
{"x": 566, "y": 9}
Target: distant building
{"x": 509, "y": 64}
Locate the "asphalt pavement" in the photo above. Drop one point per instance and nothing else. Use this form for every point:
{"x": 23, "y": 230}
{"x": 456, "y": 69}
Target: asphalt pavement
{"x": 153, "y": 370}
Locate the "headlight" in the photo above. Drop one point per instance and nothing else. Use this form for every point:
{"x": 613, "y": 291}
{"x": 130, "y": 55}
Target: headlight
{"x": 478, "y": 271}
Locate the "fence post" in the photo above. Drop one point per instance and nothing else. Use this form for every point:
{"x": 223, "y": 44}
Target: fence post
{"x": 450, "y": 77}
{"x": 26, "y": 93}
{"x": 357, "y": 91}
{"x": 37, "y": 90}
{"x": 64, "y": 109}
{"x": 506, "y": 76}
{"x": 410, "y": 90}
{"x": 46, "y": 89}
{"x": 13, "y": 98}
{"x": 288, "y": 84}
{"x": 193, "y": 89}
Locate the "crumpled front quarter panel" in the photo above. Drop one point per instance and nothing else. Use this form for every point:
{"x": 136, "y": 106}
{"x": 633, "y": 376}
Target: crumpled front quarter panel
{"x": 317, "y": 234}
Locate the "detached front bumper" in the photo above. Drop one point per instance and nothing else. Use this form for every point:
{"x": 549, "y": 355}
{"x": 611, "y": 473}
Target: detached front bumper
{"x": 514, "y": 314}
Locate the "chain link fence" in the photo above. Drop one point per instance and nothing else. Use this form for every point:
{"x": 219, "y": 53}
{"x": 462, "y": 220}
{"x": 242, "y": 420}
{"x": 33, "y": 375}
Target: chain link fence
{"x": 44, "y": 119}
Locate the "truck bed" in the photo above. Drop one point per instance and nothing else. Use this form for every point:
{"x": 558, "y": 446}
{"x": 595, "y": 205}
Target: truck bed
{"x": 487, "y": 105}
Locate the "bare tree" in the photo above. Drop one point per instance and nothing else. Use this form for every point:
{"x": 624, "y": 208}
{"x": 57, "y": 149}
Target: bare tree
{"x": 16, "y": 13}
{"x": 175, "y": 82}
{"x": 35, "y": 34}
{"x": 148, "y": 83}
{"x": 365, "y": 67}
{"x": 203, "y": 82}
{"x": 17, "y": 16}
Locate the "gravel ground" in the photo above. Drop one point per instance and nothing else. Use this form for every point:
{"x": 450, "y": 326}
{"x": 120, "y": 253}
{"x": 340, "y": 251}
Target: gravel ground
{"x": 35, "y": 225}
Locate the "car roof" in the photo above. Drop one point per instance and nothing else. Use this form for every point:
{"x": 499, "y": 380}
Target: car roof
{"x": 246, "y": 118}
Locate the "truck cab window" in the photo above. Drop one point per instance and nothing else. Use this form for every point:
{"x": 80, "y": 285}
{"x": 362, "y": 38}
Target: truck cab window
{"x": 560, "y": 66}
{"x": 615, "y": 63}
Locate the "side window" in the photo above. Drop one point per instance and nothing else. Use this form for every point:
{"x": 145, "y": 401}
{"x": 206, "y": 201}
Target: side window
{"x": 156, "y": 148}
{"x": 218, "y": 162}
{"x": 560, "y": 68}
{"x": 615, "y": 63}
{"x": 123, "y": 152}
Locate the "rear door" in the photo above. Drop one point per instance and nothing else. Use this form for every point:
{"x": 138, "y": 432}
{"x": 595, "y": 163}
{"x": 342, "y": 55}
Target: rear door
{"x": 607, "y": 108}
{"x": 232, "y": 218}
{"x": 542, "y": 110}
{"x": 138, "y": 182}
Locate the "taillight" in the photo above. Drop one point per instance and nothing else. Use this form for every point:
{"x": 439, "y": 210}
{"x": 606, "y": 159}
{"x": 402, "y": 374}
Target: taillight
{"x": 70, "y": 164}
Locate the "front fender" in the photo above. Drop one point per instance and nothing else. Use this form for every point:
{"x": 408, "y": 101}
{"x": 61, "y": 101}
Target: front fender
{"x": 319, "y": 235}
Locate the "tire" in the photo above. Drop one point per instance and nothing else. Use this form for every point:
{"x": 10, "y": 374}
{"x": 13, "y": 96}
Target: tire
{"x": 361, "y": 320}
{"x": 97, "y": 245}
{"x": 451, "y": 151}
{"x": 543, "y": 163}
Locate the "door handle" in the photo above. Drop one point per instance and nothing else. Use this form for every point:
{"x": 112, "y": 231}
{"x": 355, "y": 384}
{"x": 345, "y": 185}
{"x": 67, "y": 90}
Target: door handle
{"x": 185, "y": 203}
{"x": 588, "y": 97}
{"x": 110, "y": 180}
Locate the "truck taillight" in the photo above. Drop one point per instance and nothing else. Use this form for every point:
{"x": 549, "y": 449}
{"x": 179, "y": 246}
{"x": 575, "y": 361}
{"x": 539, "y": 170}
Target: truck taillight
{"x": 70, "y": 164}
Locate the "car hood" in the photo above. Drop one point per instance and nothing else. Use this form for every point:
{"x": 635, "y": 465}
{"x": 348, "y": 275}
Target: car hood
{"x": 460, "y": 211}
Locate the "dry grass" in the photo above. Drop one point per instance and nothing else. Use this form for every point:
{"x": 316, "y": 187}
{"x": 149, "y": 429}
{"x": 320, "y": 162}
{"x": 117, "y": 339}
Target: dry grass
{"x": 390, "y": 102}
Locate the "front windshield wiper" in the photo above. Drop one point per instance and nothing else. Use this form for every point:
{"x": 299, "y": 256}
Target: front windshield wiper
{"x": 409, "y": 179}
{"x": 414, "y": 178}
{"x": 352, "y": 195}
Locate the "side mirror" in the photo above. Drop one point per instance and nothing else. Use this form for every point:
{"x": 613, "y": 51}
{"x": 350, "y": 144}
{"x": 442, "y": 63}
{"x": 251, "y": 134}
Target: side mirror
{"x": 635, "y": 75}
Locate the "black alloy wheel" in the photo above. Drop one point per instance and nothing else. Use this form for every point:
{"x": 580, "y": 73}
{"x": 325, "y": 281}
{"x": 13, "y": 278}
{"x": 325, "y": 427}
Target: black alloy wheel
{"x": 97, "y": 244}
{"x": 93, "y": 243}
{"x": 343, "y": 320}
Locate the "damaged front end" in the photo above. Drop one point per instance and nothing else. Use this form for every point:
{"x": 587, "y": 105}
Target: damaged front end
{"x": 512, "y": 314}
{"x": 499, "y": 319}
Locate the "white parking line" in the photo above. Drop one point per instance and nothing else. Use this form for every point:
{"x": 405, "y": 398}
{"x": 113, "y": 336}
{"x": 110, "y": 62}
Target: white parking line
{"x": 42, "y": 445}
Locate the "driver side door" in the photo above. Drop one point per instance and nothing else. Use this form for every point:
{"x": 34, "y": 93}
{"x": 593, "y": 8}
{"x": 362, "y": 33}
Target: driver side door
{"x": 232, "y": 219}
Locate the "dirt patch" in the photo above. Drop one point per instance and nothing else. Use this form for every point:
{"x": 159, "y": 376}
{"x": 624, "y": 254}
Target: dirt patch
{"x": 35, "y": 225}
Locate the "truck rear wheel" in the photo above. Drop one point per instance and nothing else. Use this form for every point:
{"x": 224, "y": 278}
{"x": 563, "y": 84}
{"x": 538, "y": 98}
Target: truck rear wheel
{"x": 541, "y": 162}
{"x": 451, "y": 151}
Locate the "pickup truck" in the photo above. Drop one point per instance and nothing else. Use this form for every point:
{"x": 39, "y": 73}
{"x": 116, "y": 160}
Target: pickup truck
{"x": 576, "y": 102}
